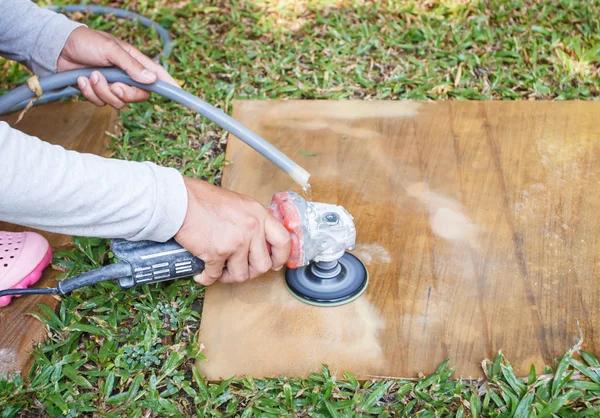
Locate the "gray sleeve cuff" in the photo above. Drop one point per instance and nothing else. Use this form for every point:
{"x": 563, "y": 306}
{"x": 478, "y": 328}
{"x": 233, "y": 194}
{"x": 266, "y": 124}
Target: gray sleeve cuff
{"x": 171, "y": 206}
{"x": 50, "y": 44}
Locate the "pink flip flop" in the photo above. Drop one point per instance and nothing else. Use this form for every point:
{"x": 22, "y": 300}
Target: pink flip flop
{"x": 23, "y": 257}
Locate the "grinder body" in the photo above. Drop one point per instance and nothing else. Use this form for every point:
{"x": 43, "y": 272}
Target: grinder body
{"x": 319, "y": 231}
{"x": 320, "y": 271}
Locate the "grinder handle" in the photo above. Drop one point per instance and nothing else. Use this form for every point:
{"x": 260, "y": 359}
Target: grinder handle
{"x": 285, "y": 211}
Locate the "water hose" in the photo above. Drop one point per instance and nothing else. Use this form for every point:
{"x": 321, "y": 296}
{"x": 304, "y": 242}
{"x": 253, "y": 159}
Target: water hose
{"x": 19, "y": 97}
{"x": 53, "y": 96}
{"x": 9, "y": 102}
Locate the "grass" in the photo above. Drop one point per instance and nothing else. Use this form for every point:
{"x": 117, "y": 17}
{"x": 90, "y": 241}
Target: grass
{"x": 130, "y": 353}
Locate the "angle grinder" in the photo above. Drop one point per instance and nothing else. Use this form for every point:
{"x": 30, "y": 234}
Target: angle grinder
{"x": 319, "y": 270}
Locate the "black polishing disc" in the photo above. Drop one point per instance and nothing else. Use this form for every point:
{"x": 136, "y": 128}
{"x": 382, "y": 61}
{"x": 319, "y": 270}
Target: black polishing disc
{"x": 348, "y": 284}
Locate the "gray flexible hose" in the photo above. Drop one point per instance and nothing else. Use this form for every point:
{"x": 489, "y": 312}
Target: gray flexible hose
{"x": 53, "y": 96}
{"x": 10, "y": 101}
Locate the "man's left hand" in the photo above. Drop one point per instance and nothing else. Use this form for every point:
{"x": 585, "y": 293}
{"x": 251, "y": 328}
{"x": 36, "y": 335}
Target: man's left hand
{"x": 91, "y": 48}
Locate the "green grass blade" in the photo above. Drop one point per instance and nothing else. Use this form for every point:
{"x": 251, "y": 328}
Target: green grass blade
{"x": 90, "y": 329}
{"x": 559, "y": 374}
{"x": 375, "y": 396}
{"x": 523, "y": 409}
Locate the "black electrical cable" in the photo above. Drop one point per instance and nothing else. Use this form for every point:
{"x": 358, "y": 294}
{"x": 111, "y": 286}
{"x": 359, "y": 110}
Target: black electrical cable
{"x": 44, "y": 291}
{"x": 110, "y": 272}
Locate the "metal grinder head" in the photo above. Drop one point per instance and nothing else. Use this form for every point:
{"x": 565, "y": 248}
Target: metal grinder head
{"x": 320, "y": 271}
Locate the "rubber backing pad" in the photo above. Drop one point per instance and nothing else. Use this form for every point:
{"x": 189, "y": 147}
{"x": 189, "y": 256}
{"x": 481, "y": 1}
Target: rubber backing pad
{"x": 347, "y": 286}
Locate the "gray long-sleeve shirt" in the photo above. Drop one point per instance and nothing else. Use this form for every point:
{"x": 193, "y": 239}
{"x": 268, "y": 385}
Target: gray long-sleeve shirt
{"x": 47, "y": 187}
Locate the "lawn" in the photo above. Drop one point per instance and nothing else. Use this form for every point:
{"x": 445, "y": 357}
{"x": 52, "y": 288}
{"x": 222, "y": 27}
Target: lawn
{"x": 131, "y": 353}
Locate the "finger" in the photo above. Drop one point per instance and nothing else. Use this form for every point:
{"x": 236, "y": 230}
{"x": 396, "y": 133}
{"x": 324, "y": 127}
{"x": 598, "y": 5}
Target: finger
{"x": 260, "y": 259}
{"x": 125, "y": 61}
{"x": 237, "y": 269}
{"x": 100, "y": 86}
{"x": 279, "y": 239}
{"x": 86, "y": 90}
{"x": 212, "y": 272}
{"x": 147, "y": 62}
{"x": 129, "y": 94}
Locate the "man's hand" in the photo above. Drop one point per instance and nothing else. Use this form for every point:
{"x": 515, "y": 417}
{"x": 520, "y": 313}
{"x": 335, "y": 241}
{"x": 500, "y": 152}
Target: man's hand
{"x": 230, "y": 233}
{"x": 91, "y": 48}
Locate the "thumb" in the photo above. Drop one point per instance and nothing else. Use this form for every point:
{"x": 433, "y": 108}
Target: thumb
{"x": 212, "y": 272}
{"x": 126, "y": 62}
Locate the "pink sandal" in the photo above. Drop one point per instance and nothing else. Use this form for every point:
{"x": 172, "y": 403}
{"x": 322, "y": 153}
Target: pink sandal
{"x": 23, "y": 257}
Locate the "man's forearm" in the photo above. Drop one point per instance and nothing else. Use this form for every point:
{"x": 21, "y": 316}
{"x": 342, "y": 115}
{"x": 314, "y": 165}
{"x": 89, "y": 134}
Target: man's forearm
{"x": 32, "y": 35}
{"x": 47, "y": 187}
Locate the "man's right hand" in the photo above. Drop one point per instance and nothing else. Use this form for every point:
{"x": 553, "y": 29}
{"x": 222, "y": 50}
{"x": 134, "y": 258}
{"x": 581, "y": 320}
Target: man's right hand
{"x": 230, "y": 233}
